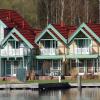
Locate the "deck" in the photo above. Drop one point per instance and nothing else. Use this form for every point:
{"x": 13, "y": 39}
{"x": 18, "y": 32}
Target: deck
{"x": 48, "y": 86}
{"x": 84, "y": 85}
{"x": 19, "y": 86}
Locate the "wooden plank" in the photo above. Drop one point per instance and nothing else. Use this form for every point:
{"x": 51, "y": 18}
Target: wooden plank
{"x": 19, "y": 86}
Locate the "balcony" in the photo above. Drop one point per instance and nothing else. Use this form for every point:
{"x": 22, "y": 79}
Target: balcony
{"x": 49, "y": 51}
{"x": 82, "y": 51}
{"x": 13, "y": 52}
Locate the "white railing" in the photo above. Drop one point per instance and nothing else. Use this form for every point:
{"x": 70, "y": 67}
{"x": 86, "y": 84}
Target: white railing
{"x": 13, "y": 52}
{"x": 82, "y": 50}
{"x": 49, "y": 51}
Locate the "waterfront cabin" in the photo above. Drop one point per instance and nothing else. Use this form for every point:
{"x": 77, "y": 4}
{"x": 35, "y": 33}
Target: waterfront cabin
{"x": 52, "y": 49}
{"x": 84, "y": 49}
{"x": 16, "y": 44}
{"x": 63, "y": 48}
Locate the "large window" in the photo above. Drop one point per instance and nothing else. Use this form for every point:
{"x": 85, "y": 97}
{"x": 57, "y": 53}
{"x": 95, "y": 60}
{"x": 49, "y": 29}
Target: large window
{"x": 49, "y": 43}
{"x": 81, "y": 43}
{"x": 15, "y": 67}
{"x": 8, "y": 68}
{"x": 55, "y": 64}
{"x": 13, "y": 44}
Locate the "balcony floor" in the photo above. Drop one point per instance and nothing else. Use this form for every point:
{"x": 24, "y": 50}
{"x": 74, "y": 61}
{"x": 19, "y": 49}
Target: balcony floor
{"x": 82, "y": 56}
{"x": 49, "y": 57}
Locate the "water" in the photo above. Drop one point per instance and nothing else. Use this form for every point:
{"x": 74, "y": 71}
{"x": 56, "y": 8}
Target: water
{"x": 69, "y": 94}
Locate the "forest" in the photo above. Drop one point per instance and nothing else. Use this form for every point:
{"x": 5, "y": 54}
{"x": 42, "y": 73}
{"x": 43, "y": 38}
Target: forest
{"x": 41, "y": 12}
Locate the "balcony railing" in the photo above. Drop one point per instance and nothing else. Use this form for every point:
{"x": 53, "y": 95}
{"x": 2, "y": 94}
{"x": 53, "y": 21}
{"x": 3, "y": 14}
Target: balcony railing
{"x": 82, "y": 50}
{"x": 49, "y": 51}
{"x": 13, "y": 52}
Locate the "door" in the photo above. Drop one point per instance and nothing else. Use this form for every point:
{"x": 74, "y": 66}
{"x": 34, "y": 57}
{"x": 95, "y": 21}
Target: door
{"x": 8, "y": 68}
{"x": 11, "y": 68}
{"x": 81, "y": 65}
{"x": 14, "y": 68}
{"x": 90, "y": 66}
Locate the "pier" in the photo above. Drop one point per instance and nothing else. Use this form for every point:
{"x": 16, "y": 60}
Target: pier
{"x": 35, "y": 86}
{"x": 85, "y": 85}
{"x": 22, "y": 86}
{"x": 47, "y": 86}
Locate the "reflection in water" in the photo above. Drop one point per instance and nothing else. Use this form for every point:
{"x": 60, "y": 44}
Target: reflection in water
{"x": 84, "y": 94}
{"x": 69, "y": 94}
{"x": 18, "y": 95}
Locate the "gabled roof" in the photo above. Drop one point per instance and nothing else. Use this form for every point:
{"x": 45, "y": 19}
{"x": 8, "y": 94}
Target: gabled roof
{"x": 91, "y": 31}
{"x": 56, "y": 31}
{"x": 95, "y": 28}
{"x": 15, "y": 32}
{"x": 63, "y": 29}
{"x": 13, "y": 20}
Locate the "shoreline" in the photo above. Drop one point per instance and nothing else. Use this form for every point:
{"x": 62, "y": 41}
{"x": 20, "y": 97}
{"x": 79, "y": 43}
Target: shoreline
{"x": 46, "y": 86}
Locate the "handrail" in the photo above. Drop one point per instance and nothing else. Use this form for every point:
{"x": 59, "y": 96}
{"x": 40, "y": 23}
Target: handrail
{"x": 13, "y": 52}
{"x": 49, "y": 51}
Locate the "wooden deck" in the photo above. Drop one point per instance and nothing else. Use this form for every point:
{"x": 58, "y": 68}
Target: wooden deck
{"x": 48, "y": 86}
{"x": 34, "y": 86}
{"x": 83, "y": 85}
{"x": 19, "y": 86}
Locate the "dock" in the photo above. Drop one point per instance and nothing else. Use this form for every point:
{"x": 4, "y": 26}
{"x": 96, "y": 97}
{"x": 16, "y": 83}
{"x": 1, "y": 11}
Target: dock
{"x": 85, "y": 85}
{"x": 46, "y": 86}
{"x": 32, "y": 86}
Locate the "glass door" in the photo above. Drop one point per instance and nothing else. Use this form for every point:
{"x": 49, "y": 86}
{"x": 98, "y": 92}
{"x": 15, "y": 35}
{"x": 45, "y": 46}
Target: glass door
{"x": 8, "y": 68}
{"x": 11, "y": 68}
{"x": 14, "y": 68}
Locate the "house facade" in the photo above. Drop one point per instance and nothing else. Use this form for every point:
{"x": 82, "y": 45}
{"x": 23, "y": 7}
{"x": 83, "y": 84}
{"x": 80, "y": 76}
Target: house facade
{"x": 16, "y": 44}
{"x": 63, "y": 48}
{"x": 84, "y": 49}
{"x": 54, "y": 51}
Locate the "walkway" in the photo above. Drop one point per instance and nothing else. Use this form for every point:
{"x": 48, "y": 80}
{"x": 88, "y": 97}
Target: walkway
{"x": 85, "y": 85}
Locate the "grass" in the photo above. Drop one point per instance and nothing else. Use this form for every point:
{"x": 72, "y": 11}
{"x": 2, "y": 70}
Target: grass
{"x": 55, "y": 81}
{"x": 69, "y": 81}
{"x": 42, "y": 81}
{"x": 3, "y": 82}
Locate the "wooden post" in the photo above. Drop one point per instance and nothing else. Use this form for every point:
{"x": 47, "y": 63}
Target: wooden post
{"x": 79, "y": 82}
{"x": 59, "y": 78}
{"x": 0, "y": 61}
{"x": 37, "y": 67}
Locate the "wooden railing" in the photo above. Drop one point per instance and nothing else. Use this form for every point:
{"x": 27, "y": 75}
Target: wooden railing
{"x": 82, "y": 51}
{"x": 49, "y": 51}
{"x": 85, "y": 50}
{"x": 13, "y": 52}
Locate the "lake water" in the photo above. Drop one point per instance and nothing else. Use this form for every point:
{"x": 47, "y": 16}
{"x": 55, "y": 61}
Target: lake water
{"x": 69, "y": 94}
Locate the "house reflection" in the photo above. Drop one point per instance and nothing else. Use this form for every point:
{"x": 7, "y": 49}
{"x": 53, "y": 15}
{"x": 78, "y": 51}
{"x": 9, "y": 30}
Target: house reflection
{"x": 85, "y": 94}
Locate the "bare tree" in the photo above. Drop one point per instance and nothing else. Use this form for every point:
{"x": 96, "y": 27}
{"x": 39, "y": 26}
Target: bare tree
{"x": 86, "y": 10}
{"x": 99, "y": 11}
{"x": 62, "y": 10}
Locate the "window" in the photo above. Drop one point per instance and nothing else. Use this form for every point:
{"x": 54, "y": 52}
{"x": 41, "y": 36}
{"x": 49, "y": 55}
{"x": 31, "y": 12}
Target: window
{"x": 17, "y": 44}
{"x": 49, "y": 43}
{"x": 55, "y": 64}
{"x": 15, "y": 67}
{"x": 81, "y": 43}
{"x": 54, "y": 44}
{"x": 8, "y": 68}
{"x": 11, "y": 43}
